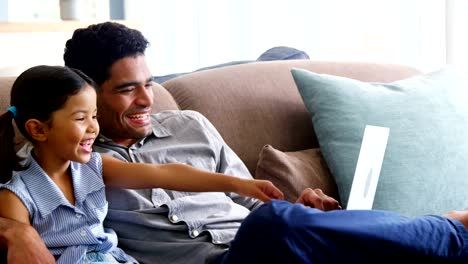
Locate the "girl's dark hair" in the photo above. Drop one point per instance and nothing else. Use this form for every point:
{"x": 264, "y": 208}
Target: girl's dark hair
{"x": 36, "y": 94}
{"x": 94, "y": 49}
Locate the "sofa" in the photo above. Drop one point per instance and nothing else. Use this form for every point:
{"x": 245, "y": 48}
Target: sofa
{"x": 259, "y": 112}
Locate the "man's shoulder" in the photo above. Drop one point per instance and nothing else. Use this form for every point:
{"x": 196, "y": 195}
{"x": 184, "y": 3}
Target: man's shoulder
{"x": 175, "y": 121}
{"x": 168, "y": 115}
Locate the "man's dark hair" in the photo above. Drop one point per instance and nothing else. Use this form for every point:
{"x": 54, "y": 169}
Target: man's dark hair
{"x": 94, "y": 49}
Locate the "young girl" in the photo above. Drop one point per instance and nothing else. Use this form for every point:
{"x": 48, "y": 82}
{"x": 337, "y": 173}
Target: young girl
{"x": 59, "y": 188}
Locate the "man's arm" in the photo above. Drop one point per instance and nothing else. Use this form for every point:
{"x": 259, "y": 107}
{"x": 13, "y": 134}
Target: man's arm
{"x": 22, "y": 244}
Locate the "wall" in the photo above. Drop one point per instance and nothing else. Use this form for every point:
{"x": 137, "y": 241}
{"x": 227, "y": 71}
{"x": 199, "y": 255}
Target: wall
{"x": 187, "y": 35}
{"x": 36, "y": 35}
{"x": 24, "y": 44}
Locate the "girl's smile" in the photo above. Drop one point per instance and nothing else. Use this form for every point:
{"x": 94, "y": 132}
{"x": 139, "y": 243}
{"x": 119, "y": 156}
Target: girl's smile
{"x": 87, "y": 145}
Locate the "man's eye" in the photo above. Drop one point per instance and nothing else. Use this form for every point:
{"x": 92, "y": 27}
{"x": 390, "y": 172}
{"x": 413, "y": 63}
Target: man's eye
{"x": 126, "y": 90}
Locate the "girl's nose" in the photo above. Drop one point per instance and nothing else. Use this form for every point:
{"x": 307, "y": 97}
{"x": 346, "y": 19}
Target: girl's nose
{"x": 93, "y": 127}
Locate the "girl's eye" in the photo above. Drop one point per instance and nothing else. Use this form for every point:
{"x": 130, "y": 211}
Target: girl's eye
{"x": 80, "y": 119}
{"x": 94, "y": 116}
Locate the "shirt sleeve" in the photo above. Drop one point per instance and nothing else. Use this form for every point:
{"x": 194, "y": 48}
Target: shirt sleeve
{"x": 228, "y": 162}
{"x": 96, "y": 163}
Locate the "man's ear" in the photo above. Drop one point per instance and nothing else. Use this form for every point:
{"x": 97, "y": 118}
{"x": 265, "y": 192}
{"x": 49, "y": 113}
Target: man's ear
{"x": 37, "y": 129}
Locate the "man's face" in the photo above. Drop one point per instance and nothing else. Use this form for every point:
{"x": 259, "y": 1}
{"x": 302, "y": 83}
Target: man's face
{"x": 125, "y": 100}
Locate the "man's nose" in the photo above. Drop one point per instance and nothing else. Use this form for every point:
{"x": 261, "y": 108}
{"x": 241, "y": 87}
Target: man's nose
{"x": 144, "y": 96}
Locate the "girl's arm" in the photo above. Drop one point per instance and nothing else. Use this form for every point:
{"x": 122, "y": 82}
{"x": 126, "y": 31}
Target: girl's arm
{"x": 17, "y": 236}
{"x": 12, "y": 207}
{"x": 181, "y": 177}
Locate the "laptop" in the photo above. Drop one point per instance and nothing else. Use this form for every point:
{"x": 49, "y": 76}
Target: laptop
{"x": 366, "y": 175}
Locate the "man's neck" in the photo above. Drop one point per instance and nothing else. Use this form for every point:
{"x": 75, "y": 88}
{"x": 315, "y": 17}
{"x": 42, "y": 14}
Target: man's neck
{"x": 127, "y": 142}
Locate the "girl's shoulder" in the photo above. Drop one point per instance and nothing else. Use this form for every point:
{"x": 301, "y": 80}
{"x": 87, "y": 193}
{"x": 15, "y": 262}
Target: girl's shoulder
{"x": 94, "y": 164}
{"x": 89, "y": 172}
{"x": 95, "y": 161}
{"x": 16, "y": 182}
{"x": 18, "y": 187}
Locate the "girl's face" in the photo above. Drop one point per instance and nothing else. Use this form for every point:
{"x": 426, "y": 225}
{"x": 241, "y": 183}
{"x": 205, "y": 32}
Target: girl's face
{"x": 74, "y": 127}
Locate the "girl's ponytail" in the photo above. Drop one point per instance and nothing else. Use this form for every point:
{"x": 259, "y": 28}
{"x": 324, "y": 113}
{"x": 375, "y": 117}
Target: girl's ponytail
{"x": 9, "y": 160}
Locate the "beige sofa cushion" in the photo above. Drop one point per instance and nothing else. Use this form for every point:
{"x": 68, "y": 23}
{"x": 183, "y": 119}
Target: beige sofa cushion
{"x": 295, "y": 171}
{"x": 258, "y": 103}
{"x": 254, "y": 104}
{"x": 163, "y": 100}
{"x": 5, "y": 87}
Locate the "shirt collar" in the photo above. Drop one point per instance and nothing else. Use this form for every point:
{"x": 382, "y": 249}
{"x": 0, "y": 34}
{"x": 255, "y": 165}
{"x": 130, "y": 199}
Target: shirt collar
{"x": 46, "y": 194}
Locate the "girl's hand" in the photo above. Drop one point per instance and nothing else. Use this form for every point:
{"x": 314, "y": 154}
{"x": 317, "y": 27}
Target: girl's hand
{"x": 261, "y": 189}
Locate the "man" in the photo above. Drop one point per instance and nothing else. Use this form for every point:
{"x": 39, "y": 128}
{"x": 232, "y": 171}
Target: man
{"x": 151, "y": 223}
{"x": 162, "y": 226}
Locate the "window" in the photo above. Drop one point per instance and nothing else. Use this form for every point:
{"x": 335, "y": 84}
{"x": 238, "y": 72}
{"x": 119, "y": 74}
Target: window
{"x": 186, "y": 35}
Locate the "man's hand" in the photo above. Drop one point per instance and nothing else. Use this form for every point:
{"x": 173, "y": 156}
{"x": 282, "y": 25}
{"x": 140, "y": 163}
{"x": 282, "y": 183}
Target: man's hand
{"x": 317, "y": 199}
{"x": 25, "y": 246}
{"x": 461, "y": 216}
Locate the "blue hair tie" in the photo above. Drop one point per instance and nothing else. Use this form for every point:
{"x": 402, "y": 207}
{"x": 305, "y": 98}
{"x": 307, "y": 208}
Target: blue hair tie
{"x": 13, "y": 110}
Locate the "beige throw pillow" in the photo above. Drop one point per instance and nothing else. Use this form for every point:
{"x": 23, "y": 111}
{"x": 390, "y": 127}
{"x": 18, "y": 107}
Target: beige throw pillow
{"x": 292, "y": 172}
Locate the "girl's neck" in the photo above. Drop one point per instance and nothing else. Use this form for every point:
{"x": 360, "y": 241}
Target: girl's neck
{"x": 58, "y": 171}
{"x": 54, "y": 168}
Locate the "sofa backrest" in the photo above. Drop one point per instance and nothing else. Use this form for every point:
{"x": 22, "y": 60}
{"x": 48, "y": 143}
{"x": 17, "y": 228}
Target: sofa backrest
{"x": 258, "y": 103}
{"x": 252, "y": 104}
{"x": 163, "y": 101}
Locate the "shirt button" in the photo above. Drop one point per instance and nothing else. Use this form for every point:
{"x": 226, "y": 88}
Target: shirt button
{"x": 78, "y": 215}
{"x": 101, "y": 140}
{"x": 82, "y": 233}
{"x": 195, "y": 233}
{"x": 174, "y": 218}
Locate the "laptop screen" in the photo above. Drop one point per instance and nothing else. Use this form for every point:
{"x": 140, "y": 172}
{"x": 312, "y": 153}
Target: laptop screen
{"x": 366, "y": 175}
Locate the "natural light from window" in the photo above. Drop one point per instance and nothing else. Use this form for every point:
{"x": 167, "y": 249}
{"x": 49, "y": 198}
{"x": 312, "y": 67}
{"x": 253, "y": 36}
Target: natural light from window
{"x": 188, "y": 35}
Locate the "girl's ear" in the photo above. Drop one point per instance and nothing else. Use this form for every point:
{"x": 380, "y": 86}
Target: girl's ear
{"x": 36, "y": 129}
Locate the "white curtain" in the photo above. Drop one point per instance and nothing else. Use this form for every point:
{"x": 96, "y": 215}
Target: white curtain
{"x": 186, "y": 35}
{"x": 457, "y": 33}
{"x": 191, "y": 34}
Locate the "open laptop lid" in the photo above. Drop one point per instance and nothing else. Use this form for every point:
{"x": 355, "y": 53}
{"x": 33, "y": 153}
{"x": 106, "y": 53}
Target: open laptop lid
{"x": 366, "y": 175}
